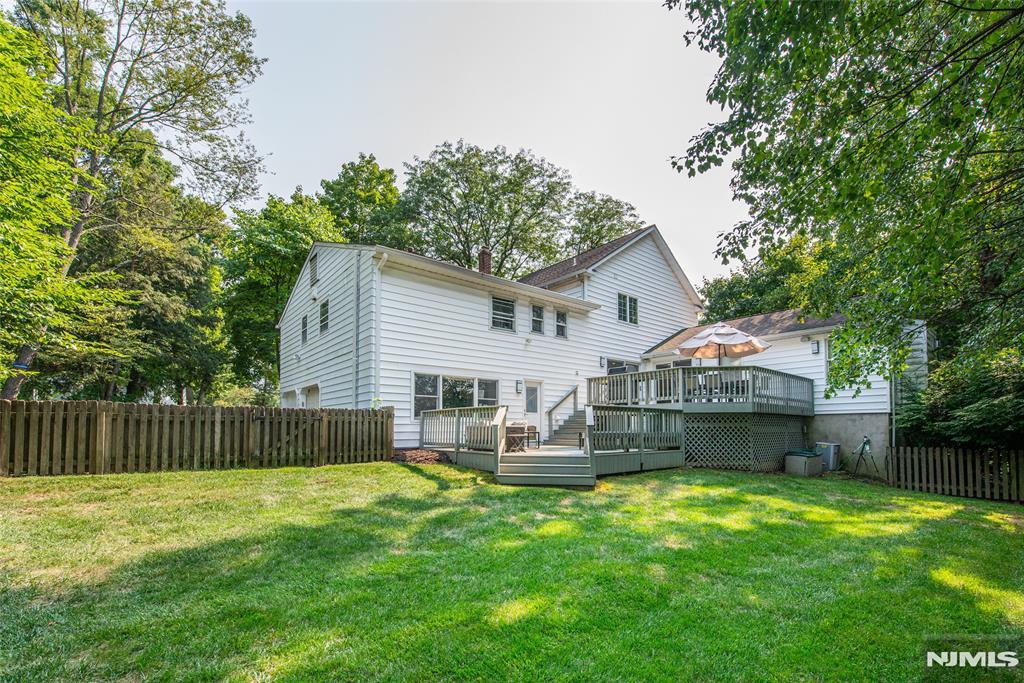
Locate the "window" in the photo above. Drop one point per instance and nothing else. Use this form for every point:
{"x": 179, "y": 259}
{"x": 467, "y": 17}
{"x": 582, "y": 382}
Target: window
{"x": 674, "y": 364}
{"x": 537, "y": 319}
{"x": 425, "y": 393}
{"x": 629, "y": 309}
{"x": 503, "y": 314}
{"x": 562, "y": 324}
{"x": 487, "y": 392}
{"x": 532, "y": 398}
{"x": 431, "y": 392}
{"x": 313, "y": 277}
{"x": 619, "y": 367}
{"x": 305, "y": 329}
{"x": 324, "y": 316}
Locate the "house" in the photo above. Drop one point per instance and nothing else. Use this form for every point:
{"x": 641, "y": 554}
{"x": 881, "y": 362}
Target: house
{"x": 369, "y": 325}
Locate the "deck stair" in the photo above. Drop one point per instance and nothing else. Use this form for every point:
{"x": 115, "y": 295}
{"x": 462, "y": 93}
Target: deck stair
{"x": 568, "y": 433}
{"x": 546, "y": 466}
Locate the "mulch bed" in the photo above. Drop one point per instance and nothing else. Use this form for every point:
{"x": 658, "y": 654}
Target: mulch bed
{"x": 419, "y": 456}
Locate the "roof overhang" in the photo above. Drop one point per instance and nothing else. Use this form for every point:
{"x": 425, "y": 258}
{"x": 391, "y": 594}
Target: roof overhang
{"x": 767, "y": 337}
{"x": 404, "y": 260}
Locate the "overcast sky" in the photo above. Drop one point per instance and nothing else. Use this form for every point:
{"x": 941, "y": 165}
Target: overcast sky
{"x": 607, "y": 90}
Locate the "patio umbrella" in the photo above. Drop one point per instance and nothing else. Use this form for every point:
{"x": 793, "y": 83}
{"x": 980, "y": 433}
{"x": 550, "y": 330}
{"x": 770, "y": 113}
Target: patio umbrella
{"x": 721, "y": 340}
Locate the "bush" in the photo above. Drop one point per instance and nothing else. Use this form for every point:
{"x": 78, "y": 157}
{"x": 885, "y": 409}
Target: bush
{"x": 969, "y": 402}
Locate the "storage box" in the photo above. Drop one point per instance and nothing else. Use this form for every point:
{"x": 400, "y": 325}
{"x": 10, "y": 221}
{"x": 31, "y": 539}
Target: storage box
{"x": 803, "y": 465}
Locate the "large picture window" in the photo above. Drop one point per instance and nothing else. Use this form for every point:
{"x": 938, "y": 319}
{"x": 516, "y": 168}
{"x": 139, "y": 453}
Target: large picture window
{"x": 503, "y": 314}
{"x": 431, "y": 392}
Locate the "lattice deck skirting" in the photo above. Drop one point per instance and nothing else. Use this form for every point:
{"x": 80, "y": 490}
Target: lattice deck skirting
{"x": 749, "y": 442}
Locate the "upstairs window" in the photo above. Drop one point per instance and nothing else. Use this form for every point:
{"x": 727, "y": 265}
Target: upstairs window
{"x": 313, "y": 277}
{"x": 629, "y": 309}
{"x": 325, "y": 315}
{"x": 503, "y": 314}
{"x": 305, "y": 329}
{"x": 562, "y": 324}
{"x": 537, "y": 319}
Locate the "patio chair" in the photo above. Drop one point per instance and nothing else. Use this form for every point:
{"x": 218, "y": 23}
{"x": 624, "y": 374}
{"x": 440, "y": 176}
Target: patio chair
{"x": 515, "y": 435}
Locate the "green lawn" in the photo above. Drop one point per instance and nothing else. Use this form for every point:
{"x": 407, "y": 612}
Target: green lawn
{"x": 385, "y": 571}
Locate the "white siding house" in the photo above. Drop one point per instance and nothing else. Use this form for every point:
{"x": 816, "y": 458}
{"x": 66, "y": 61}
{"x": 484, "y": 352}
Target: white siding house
{"x": 396, "y": 317}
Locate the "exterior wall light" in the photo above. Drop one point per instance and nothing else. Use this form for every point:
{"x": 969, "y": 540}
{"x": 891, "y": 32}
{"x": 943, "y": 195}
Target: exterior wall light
{"x": 816, "y": 346}
{"x": 603, "y": 360}
{"x": 519, "y": 386}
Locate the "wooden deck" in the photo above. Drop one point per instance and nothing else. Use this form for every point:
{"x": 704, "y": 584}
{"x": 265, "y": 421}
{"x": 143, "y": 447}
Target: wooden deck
{"x": 741, "y": 389}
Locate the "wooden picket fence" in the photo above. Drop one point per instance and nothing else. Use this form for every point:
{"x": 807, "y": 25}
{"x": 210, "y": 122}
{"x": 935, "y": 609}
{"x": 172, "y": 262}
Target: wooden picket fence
{"x": 98, "y": 437}
{"x": 991, "y": 474}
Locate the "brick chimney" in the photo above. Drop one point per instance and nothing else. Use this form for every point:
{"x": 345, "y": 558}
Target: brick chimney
{"x": 483, "y": 260}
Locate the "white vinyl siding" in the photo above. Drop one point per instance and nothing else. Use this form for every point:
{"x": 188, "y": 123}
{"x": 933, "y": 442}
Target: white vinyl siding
{"x": 431, "y": 326}
{"x": 341, "y": 363}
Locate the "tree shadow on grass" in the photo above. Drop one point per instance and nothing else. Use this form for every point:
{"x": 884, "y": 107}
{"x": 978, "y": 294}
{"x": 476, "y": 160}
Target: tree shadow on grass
{"x": 709, "y": 575}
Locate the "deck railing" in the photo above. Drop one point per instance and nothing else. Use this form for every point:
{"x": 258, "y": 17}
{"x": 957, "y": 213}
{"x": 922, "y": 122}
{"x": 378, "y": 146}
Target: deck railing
{"x": 713, "y": 389}
{"x": 476, "y": 436}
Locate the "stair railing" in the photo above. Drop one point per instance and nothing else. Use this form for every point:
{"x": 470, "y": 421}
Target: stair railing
{"x": 574, "y": 392}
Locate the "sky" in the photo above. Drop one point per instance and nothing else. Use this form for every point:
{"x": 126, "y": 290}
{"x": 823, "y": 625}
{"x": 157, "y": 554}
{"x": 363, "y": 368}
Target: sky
{"x": 607, "y": 90}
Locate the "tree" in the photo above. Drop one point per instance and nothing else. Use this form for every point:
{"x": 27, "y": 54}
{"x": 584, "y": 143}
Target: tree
{"x": 37, "y": 176}
{"x": 769, "y": 282}
{"x": 176, "y": 69}
{"x": 595, "y": 219}
{"x": 362, "y": 199}
{"x": 462, "y": 197}
{"x": 892, "y": 134}
{"x": 263, "y": 256}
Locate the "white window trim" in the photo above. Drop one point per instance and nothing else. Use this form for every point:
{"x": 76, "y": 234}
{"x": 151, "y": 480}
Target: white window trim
{"x": 543, "y": 317}
{"x": 440, "y": 389}
{"x": 566, "y": 335}
{"x": 320, "y": 317}
{"x": 629, "y": 298}
{"x": 490, "y": 314}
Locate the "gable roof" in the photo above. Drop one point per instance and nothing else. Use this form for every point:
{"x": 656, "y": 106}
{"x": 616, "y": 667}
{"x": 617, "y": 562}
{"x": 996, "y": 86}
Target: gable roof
{"x": 589, "y": 260}
{"x": 581, "y": 262}
{"x": 760, "y": 325}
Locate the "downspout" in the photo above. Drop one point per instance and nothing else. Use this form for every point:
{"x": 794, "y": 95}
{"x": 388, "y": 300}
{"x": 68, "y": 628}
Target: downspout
{"x": 355, "y": 335}
{"x": 377, "y": 305}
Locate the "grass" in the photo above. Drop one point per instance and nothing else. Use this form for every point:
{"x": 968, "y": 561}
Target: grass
{"x": 386, "y": 571}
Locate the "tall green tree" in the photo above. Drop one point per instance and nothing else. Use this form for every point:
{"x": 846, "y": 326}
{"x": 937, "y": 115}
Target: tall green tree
{"x": 595, "y": 219}
{"x": 38, "y": 144}
{"x": 363, "y": 199}
{"x": 463, "y": 197}
{"x": 771, "y": 281}
{"x": 263, "y": 256}
{"x": 891, "y": 133}
{"x": 177, "y": 69}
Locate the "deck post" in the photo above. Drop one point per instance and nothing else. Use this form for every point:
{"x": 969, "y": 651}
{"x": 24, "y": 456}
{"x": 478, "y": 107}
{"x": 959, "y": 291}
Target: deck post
{"x": 423, "y": 424}
{"x": 643, "y": 437}
{"x": 458, "y": 433}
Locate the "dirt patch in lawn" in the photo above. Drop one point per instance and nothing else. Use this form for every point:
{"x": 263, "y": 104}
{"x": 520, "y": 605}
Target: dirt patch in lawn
{"x": 419, "y": 456}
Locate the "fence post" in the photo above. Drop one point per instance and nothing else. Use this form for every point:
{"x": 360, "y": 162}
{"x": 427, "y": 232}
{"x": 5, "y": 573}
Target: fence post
{"x": 5, "y": 430}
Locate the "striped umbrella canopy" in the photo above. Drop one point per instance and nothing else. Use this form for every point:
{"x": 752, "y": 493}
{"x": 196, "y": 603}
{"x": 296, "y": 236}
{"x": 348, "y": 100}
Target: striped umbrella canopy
{"x": 721, "y": 340}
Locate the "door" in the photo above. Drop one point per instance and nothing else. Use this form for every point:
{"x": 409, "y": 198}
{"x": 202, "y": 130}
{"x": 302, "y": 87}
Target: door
{"x": 532, "y": 399}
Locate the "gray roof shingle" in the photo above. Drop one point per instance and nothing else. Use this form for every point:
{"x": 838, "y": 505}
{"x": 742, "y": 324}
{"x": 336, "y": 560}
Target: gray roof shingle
{"x": 760, "y": 325}
{"x": 577, "y": 264}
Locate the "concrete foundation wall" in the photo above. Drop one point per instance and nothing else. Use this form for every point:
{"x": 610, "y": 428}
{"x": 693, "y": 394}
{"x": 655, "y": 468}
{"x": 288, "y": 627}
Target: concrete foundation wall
{"x": 848, "y": 430}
